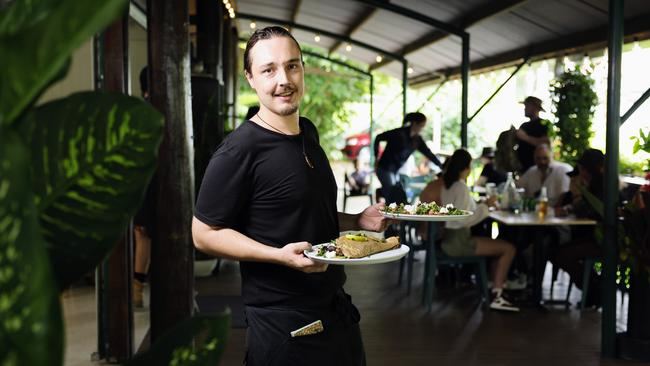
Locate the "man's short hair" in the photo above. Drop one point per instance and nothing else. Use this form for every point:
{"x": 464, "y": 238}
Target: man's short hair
{"x": 263, "y": 34}
{"x": 144, "y": 80}
{"x": 414, "y": 117}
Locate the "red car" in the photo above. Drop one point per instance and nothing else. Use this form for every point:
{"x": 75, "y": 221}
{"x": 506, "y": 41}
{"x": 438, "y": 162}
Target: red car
{"x": 355, "y": 143}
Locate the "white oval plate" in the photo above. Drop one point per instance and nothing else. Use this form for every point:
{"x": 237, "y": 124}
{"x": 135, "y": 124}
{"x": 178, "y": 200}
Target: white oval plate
{"x": 408, "y": 217}
{"x": 383, "y": 257}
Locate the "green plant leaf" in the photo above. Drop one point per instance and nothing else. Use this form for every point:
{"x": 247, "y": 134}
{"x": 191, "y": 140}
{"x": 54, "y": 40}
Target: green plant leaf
{"x": 34, "y": 56}
{"x": 175, "y": 346}
{"x": 19, "y": 15}
{"x": 93, "y": 154}
{"x": 31, "y": 328}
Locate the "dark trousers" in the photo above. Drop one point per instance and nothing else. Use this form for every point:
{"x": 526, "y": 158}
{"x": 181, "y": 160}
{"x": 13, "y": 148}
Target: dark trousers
{"x": 269, "y": 342}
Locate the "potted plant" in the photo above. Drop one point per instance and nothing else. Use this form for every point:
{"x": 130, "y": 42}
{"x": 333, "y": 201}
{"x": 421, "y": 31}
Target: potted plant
{"x": 72, "y": 173}
{"x": 574, "y": 104}
{"x": 635, "y": 252}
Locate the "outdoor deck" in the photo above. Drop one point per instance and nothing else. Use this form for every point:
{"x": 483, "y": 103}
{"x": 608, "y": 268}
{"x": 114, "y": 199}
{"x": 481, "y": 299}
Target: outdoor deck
{"x": 398, "y": 331}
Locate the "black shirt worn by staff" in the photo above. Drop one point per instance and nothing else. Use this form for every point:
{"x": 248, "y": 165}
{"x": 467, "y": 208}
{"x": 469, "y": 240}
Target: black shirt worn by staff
{"x": 525, "y": 151}
{"x": 259, "y": 184}
{"x": 399, "y": 146}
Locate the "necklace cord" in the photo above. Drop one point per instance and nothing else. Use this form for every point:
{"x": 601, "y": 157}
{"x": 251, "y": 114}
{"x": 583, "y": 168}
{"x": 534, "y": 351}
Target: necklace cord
{"x": 304, "y": 153}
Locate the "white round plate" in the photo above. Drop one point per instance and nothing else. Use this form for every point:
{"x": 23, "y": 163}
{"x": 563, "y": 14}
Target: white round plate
{"x": 408, "y": 217}
{"x": 383, "y": 257}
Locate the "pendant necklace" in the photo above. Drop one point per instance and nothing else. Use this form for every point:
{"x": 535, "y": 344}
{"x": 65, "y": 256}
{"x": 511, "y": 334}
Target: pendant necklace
{"x": 309, "y": 164}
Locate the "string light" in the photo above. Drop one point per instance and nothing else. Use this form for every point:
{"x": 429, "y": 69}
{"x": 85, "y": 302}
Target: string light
{"x": 378, "y": 58}
{"x": 253, "y": 25}
{"x": 231, "y": 11}
{"x": 317, "y": 38}
{"x": 348, "y": 47}
{"x": 409, "y": 70}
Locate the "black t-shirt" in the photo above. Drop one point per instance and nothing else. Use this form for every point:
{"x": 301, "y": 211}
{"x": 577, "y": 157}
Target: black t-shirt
{"x": 259, "y": 184}
{"x": 526, "y": 151}
{"x": 399, "y": 146}
{"x": 493, "y": 175}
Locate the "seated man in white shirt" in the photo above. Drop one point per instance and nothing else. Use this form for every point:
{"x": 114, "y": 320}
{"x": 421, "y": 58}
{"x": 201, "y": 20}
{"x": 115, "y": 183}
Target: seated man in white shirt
{"x": 546, "y": 173}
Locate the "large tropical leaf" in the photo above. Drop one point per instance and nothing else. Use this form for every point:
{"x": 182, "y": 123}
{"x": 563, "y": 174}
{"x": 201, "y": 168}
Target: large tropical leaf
{"x": 35, "y": 55}
{"x": 93, "y": 154}
{"x": 18, "y": 15}
{"x": 176, "y": 347}
{"x": 31, "y": 329}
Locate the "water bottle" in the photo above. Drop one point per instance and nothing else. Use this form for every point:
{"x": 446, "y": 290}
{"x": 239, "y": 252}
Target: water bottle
{"x": 505, "y": 194}
{"x": 510, "y": 199}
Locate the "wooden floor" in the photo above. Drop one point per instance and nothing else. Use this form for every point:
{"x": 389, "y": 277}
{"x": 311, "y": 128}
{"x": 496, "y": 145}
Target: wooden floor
{"x": 398, "y": 331}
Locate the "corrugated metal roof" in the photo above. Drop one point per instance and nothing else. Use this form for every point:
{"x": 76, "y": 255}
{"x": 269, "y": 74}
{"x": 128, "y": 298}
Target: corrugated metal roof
{"x": 494, "y": 38}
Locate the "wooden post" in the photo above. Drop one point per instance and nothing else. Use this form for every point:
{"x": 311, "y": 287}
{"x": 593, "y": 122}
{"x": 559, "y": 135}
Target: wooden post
{"x": 114, "y": 300}
{"x": 172, "y": 252}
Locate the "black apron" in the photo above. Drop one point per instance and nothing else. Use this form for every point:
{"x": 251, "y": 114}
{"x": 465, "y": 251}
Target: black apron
{"x": 269, "y": 341}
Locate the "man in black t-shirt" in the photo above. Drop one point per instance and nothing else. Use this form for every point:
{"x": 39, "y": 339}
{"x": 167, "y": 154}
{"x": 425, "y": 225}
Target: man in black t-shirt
{"x": 532, "y": 133}
{"x": 489, "y": 174}
{"x": 268, "y": 194}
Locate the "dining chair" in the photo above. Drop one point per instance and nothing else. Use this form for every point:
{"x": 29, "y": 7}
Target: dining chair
{"x": 586, "y": 276}
{"x": 439, "y": 258}
{"x": 348, "y": 192}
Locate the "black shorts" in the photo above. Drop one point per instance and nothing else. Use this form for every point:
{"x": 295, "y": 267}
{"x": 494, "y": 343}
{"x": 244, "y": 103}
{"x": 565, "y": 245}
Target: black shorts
{"x": 269, "y": 341}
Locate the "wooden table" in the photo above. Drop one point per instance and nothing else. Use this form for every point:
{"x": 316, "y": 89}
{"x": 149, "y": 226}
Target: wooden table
{"x": 532, "y": 219}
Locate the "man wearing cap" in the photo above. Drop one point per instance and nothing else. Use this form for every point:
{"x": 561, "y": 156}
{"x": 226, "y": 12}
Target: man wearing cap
{"x": 587, "y": 176}
{"x": 532, "y": 133}
{"x": 489, "y": 174}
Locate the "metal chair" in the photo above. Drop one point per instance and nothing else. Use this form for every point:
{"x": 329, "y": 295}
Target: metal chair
{"x": 348, "y": 191}
{"x": 586, "y": 275}
{"x": 438, "y": 258}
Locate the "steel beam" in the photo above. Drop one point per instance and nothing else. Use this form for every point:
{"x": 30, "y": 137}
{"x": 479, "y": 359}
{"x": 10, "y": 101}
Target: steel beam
{"x": 431, "y": 95}
{"x": 610, "y": 243}
{"x": 480, "y": 13}
{"x": 635, "y": 106}
{"x": 498, "y": 89}
{"x": 582, "y": 41}
{"x": 356, "y": 24}
{"x": 405, "y": 85}
{"x": 296, "y": 10}
{"x": 321, "y": 31}
{"x": 464, "y": 91}
{"x": 444, "y": 26}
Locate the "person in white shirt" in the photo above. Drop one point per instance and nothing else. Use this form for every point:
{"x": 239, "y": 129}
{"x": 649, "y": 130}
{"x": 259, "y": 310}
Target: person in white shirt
{"x": 458, "y": 240}
{"x": 546, "y": 173}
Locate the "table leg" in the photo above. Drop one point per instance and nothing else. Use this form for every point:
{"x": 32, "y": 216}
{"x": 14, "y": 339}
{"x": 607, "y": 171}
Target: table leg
{"x": 429, "y": 266}
{"x": 538, "y": 270}
{"x": 402, "y": 239}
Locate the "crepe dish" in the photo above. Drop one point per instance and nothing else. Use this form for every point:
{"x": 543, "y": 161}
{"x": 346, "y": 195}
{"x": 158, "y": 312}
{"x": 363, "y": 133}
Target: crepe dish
{"x": 358, "y": 245}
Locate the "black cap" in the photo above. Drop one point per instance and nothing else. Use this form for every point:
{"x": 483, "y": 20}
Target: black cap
{"x": 591, "y": 160}
{"x": 488, "y": 152}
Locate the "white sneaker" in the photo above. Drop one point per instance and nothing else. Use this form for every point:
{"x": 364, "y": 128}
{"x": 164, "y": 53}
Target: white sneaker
{"x": 499, "y": 303}
{"x": 520, "y": 283}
